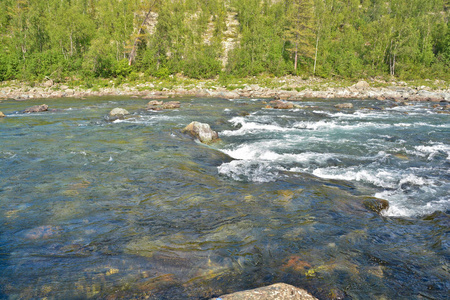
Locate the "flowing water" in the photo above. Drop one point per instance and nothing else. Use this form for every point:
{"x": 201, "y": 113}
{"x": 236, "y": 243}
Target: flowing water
{"x": 136, "y": 209}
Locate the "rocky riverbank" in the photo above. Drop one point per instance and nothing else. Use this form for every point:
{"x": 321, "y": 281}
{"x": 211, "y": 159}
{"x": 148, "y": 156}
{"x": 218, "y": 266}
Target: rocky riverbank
{"x": 301, "y": 90}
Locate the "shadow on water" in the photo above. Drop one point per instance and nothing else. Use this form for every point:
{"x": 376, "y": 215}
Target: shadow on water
{"x": 135, "y": 209}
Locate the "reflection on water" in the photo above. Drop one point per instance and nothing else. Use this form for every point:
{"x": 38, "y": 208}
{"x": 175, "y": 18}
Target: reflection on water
{"x": 92, "y": 209}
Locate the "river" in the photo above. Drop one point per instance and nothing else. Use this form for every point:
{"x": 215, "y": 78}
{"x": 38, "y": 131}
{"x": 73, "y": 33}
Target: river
{"x": 136, "y": 209}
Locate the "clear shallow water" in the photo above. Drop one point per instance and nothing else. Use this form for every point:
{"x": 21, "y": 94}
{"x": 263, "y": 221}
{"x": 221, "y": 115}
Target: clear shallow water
{"x": 91, "y": 209}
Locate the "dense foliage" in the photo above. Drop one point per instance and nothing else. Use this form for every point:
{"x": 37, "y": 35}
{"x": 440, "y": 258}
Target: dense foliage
{"x": 132, "y": 38}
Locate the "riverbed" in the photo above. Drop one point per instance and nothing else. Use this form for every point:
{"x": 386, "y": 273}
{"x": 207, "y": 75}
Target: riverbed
{"x": 134, "y": 208}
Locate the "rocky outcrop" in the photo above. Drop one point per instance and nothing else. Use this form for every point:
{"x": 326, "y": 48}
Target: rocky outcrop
{"x": 36, "y": 109}
{"x": 160, "y": 105}
{"x": 201, "y": 131}
{"x": 2, "y": 115}
{"x": 278, "y": 104}
{"x": 344, "y": 106}
{"x": 278, "y": 291}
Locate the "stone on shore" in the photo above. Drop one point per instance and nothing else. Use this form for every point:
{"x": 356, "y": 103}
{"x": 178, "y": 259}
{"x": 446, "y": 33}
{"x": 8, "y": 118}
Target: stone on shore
{"x": 36, "y": 108}
{"x": 202, "y": 131}
{"x": 344, "y": 105}
{"x": 2, "y": 115}
{"x": 278, "y": 291}
{"x": 362, "y": 85}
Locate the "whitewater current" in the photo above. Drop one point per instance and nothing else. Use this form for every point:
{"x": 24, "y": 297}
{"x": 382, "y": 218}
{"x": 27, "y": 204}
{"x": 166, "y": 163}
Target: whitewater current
{"x": 398, "y": 153}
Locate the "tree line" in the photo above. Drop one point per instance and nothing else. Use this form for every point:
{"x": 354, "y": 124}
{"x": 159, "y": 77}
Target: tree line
{"x": 156, "y": 38}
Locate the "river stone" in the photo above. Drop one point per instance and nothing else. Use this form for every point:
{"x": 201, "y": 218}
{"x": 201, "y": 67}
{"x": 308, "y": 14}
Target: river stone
{"x": 278, "y": 104}
{"x": 278, "y": 291}
{"x": 375, "y": 204}
{"x": 36, "y": 108}
{"x": 118, "y": 112}
{"x": 2, "y": 115}
{"x": 202, "y": 131}
{"x": 344, "y": 105}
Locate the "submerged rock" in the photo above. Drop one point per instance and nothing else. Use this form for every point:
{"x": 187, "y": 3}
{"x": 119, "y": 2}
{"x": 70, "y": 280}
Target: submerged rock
{"x": 2, "y": 115}
{"x": 344, "y": 105}
{"x": 279, "y": 291}
{"x": 36, "y": 108}
{"x": 202, "y": 131}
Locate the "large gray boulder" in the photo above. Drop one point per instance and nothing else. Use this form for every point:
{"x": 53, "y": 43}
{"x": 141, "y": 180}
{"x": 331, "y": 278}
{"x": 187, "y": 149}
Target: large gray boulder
{"x": 278, "y": 104}
{"x": 202, "y": 131}
{"x": 362, "y": 85}
{"x": 278, "y": 291}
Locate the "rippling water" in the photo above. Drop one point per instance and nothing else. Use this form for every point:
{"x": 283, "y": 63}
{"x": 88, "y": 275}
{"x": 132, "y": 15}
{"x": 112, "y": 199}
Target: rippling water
{"x": 135, "y": 209}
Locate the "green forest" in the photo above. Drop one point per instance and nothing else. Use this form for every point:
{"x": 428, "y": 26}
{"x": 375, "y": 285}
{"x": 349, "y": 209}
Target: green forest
{"x": 63, "y": 39}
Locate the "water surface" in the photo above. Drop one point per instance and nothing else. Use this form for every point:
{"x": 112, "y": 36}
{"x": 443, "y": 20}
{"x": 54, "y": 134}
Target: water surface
{"x": 135, "y": 209}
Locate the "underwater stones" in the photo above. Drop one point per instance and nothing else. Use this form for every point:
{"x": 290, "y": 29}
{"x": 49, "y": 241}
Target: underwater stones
{"x": 344, "y": 105}
{"x": 279, "y": 291}
{"x": 202, "y": 131}
{"x": 278, "y": 104}
{"x": 375, "y": 204}
{"x": 2, "y": 115}
{"x": 36, "y": 108}
{"x": 42, "y": 232}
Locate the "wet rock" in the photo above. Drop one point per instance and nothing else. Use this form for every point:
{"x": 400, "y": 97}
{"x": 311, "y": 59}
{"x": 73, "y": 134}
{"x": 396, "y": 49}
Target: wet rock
{"x": 279, "y": 291}
{"x": 2, "y": 115}
{"x": 202, "y": 131}
{"x": 278, "y": 104}
{"x": 36, "y": 108}
{"x": 375, "y": 204}
{"x": 344, "y": 105}
{"x": 160, "y": 105}
{"x": 118, "y": 113}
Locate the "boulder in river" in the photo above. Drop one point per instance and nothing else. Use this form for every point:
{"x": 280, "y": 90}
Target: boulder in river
{"x": 344, "y": 105}
{"x": 118, "y": 112}
{"x": 202, "y": 131}
{"x": 279, "y": 291}
{"x": 160, "y": 105}
{"x": 278, "y": 104}
{"x": 36, "y": 108}
{"x": 375, "y": 204}
{"x": 2, "y": 115}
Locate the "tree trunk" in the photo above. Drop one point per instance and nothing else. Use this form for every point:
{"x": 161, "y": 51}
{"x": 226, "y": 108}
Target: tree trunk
{"x": 315, "y": 56}
{"x": 296, "y": 58}
{"x": 136, "y": 40}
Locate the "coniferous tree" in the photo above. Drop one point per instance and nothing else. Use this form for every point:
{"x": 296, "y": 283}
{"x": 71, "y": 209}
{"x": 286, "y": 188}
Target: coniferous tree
{"x": 299, "y": 31}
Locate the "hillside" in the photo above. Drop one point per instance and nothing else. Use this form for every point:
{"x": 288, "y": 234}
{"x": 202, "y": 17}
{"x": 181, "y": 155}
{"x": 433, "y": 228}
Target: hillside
{"x": 131, "y": 39}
